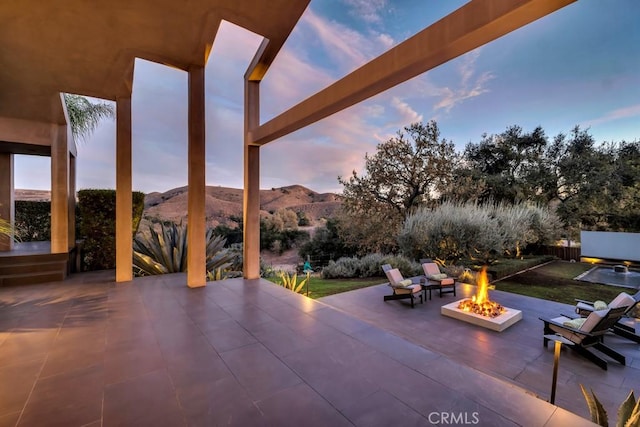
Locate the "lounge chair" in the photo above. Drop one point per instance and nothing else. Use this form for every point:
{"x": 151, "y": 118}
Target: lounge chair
{"x": 435, "y": 279}
{"x": 402, "y": 288}
{"x": 584, "y": 308}
{"x": 587, "y": 332}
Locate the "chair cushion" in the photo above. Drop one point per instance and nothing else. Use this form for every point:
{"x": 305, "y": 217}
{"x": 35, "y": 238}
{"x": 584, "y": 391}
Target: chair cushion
{"x": 408, "y": 290}
{"x": 405, "y": 283}
{"x": 438, "y": 276}
{"x": 394, "y": 276}
{"x": 593, "y": 319}
{"x": 575, "y": 323}
{"x": 571, "y": 336}
{"x": 600, "y": 305}
{"x": 430, "y": 268}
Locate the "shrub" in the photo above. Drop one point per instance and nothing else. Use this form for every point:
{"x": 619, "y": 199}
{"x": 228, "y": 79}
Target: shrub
{"x": 369, "y": 266}
{"x": 473, "y": 231}
{"x": 326, "y": 245}
{"x": 303, "y": 220}
{"x": 286, "y": 238}
{"x": 97, "y": 225}
{"x": 33, "y": 220}
{"x": 345, "y": 267}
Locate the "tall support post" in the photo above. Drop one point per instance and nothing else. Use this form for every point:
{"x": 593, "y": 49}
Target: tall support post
{"x": 124, "y": 221}
{"x": 59, "y": 189}
{"x": 251, "y": 202}
{"x": 196, "y": 228}
{"x": 72, "y": 200}
{"x": 7, "y": 199}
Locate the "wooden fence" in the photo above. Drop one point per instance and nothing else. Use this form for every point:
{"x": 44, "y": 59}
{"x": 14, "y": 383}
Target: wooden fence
{"x": 562, "y": 252}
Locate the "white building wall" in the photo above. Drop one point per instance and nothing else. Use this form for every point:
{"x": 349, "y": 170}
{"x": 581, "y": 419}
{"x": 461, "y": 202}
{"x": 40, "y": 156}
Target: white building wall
{"x": 610, "y": 245}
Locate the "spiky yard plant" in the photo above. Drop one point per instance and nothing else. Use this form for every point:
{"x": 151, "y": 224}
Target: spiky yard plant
{"x": 628, "y": 412}
{"x": 291, "y": 282}
{"x": 163, "y": 249}
{"x": 5, "y": 228}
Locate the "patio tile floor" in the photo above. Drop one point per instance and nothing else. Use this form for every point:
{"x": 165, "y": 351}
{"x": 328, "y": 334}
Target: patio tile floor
{"x": 515, "y": 355}
{"x": 90, "y": 352}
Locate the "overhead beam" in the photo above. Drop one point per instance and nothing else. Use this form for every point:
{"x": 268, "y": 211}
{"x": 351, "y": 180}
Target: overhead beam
{"x": 473, "y": 25}
{"x": 269, "y": 48}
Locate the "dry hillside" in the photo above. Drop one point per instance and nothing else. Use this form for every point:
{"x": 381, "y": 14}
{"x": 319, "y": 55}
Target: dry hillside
{"x": 33, "y": 195}
{"x": 223, "y": 203}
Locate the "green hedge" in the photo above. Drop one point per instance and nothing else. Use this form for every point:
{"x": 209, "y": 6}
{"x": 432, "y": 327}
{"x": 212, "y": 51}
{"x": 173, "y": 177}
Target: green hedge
{"x": 97, "y": 226}
{"x": 33, "y": 220}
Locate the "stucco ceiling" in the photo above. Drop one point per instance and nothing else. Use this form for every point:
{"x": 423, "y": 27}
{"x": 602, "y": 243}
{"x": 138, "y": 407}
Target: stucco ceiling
{"x": 89, "y": 47}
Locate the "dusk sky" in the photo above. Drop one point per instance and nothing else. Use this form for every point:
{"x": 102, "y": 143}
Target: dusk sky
{"x": 578, "y": 66}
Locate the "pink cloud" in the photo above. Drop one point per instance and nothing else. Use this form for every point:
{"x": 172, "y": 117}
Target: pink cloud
{"x": 617, "y": 114}
{"x": 468, "y": 86}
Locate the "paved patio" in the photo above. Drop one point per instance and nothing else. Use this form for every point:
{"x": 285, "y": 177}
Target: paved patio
{"x": 88, "y": 352}
{"x": 515, "y": 355}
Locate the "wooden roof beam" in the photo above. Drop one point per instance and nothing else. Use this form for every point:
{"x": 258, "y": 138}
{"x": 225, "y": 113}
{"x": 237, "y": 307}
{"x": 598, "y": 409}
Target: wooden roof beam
{"x": 471, "y": 26}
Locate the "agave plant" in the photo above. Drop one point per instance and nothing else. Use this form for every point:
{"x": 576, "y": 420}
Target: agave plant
{"x": 163, "y": 249}
{"x": 628, "y": 412}
{"x": 5, "y": 228}
{"x": 291, "y": 282}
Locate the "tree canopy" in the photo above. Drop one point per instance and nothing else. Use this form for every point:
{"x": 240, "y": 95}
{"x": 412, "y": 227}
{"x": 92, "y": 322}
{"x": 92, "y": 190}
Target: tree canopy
{"x": 407, "y": 171}
{"x": 85, "y": 115}
{"x": 587, "y": 185}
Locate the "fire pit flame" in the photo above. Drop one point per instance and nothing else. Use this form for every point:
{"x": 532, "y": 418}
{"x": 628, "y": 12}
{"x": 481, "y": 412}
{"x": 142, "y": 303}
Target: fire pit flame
{"x": 480, "y": 303}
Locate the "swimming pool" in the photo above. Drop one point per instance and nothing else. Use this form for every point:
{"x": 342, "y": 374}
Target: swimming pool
{"x": 608, "y": 276}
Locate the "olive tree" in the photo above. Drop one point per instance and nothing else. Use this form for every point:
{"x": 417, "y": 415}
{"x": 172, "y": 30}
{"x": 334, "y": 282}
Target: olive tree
{"x": 406, "y": 172}
{"x": 474, "y": 231}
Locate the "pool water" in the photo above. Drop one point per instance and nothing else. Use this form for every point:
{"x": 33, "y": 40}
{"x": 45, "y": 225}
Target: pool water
{"x": 607, "y": 276}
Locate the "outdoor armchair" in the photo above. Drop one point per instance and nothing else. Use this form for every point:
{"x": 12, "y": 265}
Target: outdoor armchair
{"x": 436, "y": 279}
{"x": 586, "y": 333}
{"x": 402, "y": 288}
{"x": 622, "y": 328}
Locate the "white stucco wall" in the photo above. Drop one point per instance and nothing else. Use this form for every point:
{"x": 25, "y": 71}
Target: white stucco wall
{"x": 610, "y": 245}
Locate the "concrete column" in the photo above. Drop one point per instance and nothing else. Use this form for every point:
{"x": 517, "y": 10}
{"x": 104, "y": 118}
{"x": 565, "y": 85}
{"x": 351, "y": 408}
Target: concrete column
{"x": 72, "y": 200}
{"x": 251, "y": 202}
{"x": 196, "y": 228}
{"x": 124, "y": 199}
{"x": 59, "y": 189}
{"x": 7, "y": 200}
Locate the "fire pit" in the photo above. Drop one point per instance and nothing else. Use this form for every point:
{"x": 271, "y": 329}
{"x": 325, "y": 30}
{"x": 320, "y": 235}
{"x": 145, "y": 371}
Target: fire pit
{"x": 480, "y": 310}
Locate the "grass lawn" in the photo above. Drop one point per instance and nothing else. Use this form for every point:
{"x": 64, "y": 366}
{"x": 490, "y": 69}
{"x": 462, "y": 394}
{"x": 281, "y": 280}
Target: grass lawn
{"x": 319, "y": 287}
{"x": 554, "y": 282}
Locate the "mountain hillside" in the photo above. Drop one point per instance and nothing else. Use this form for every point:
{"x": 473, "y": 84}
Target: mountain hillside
{"x": 222, "y": 203}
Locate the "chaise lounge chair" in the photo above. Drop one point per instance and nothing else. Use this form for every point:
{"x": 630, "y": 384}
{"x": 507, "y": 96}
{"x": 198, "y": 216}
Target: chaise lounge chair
{"x": 436, "y": 279}
{"x": 587, "y": 332}
{"x": 584, "y": 308}
{"x": 402, "y": 288}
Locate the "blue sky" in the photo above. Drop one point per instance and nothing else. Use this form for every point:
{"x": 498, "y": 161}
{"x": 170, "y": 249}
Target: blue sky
{"x": 578, "y": 66}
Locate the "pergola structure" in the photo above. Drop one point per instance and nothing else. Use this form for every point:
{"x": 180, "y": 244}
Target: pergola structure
{"x": 89, "y": 48}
